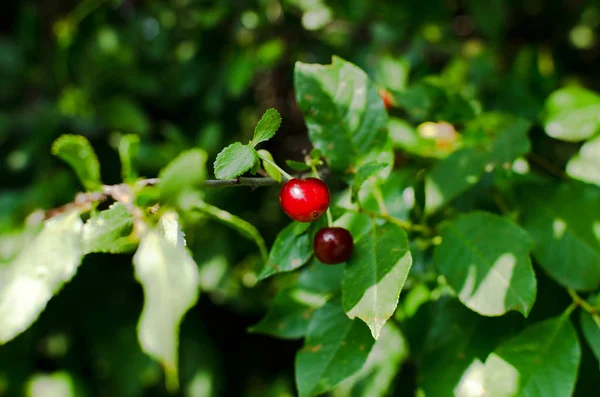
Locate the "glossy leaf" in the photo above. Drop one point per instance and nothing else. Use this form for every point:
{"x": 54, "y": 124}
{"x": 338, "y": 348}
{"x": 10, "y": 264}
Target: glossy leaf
{"x": 485, "y": 258}
{"x": 571, "y": 114}
{"x": 344, "y": 114}
{"x": 183, "y": 173}
{"x": 267, "y": 126}
{"x": 335, "y": 348}
{"x": 79, "y": 154}
{"x": 542, "y": 360}
{"x": 38, "y": 272}
{"x": 364, "y": 172}
{"x": 375, "y": 275}
{"x": 109, "y": 230}
{"x": 169, "y": 277}
{"x": 235, "y": 160}
{"x": 585, "y": 165}
{"x": 128, "y": 149}
{"x": 566, "y": 241}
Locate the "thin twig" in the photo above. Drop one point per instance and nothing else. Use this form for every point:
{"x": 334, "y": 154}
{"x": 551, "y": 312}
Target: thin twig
{"x": 400, "y": 222}
{"x": 579, "y": 301}
{"x": 547, "y": 165}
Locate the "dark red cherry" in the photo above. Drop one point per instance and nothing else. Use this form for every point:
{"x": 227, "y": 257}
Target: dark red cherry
{"x": 304, "y": 200}
{"x": 333, "y": 245}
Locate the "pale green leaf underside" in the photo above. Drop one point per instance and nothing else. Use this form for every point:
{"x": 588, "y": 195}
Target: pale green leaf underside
{"x": 79, "y": 154}
{"x": 335, "y": 348}
{"x": 169, "y": 277}
{"x": 267, "y": 126}
{"x": 485, "y": 259}
{"x": 38, "y": 272}
{"x": 375, "y": 275}
{"x": 572, "y": 114}
{"x": 186, "y": 171}
{"x": 234, "y": 160}
{"x": 108, "y": 231}
{"x": 585, "y": 165}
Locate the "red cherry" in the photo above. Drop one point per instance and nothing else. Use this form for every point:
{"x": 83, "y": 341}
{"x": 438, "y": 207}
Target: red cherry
{"x": 333, "y": 245}
{"x": 304, "y": 200}
{"x": 388, "y": 100}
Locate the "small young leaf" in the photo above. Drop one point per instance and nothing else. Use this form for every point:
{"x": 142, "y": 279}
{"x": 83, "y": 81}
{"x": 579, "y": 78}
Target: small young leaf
{"x": 271, "y": 171}
{"x": 108, "y": 231}
{"x": 335, "y": 348}
{"x": 364, "y": 173}
{"x": 485, "y": 259}
{"x": 79, "y": 154}
{"x": 38, "y": 272}
{"x": 562, "y": 220}
{"x": 521, "y": 365}
{"x": 290, "y": 250}
{"x": 571, "y": 114}
{"x": 375, "y": 275}
{"x": 185, "y": 172}
{"x": 267, "y": 126}
{"x": 585, "y": 165}
{"x": 297, "y": 166}
{"x": 128, "y": 149}
{"x": 169, "y": 277}
{"x": 234, "y": 160}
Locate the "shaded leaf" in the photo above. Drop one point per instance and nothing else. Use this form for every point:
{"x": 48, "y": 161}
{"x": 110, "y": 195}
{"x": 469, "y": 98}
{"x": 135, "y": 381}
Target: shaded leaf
{"x": 38, "y": 272}
{"x": 125, "y": 115}
{"x": 344, "y": 114}
{"x": 234, "y": 160}
{"x": 79, "y": 154}
{"x": 566, "y": 243}
{"x": 321, "y": 278}
{"x": 335, "y": 348}
{"x": 108, "y": 231}
{"x": 267, "y": 126}
{"x": 485, "y": 259}
{"x": 185, "y": 172}
{"x": 297, "y": 166}
{"x": 590, "y": 327}
{"x": 375, "y": 275}
{"x": 571, "y": 114}
{"x": 364, "y": 172}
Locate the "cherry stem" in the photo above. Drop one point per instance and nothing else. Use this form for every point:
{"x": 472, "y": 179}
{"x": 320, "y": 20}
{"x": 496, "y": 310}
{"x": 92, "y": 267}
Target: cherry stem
{"x": 579, "y": 301}
{"x": 272, "y": 163}
{"x": 329, "y": 218}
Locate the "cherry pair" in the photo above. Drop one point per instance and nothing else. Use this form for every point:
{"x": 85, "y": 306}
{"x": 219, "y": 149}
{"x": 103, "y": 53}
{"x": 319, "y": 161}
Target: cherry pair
{"x": 306, "y": 200}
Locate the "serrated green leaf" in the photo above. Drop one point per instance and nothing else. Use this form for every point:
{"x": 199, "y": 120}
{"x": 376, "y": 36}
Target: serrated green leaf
{"x": 297, "y": 166}
{"x": 375, "y": 275}
{"x": 565, "y": 236}
{"x": 108, "y": 231}
{"x": 521, "y": 366}
{"x": 267, "y": 126}
{"x": 128, "y": 150}
{"x": 335, "y": 348}
{"x": 271, "y": 171}
{"x": 485, "y": 259}
{"x": 344, "y": 114}
{"x": 169, "y": 277}
{"x": 590, "y": 327}
{"x": 571, "y": 114}
{"x": 234, "y": 160}
{"x": 585, "y": 165}
{"x": 290, "y": 250}
{"x": 183, "y": 173}
{"x": 364, "y": 172}
{"x": 79, "y": 154}
{"x": 376, "y": 377}
{"x": 38, "y": 272}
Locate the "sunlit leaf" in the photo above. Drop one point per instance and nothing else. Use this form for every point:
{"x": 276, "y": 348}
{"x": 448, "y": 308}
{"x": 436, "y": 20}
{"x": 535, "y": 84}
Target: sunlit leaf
{"x": 571, "y": 114}
{"x": 235, "y": 160}
{"x": 108, "y": 231}
{"x": 267, "y": 126}
{"x": 585, "y": 165}
{"x": 79, "y": 154}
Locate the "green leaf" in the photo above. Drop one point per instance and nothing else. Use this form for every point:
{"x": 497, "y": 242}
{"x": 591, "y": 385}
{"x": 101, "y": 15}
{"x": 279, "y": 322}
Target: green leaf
{"x": 344, "y": 114}
{"x": 267, "y": 127}
{"x": 571, "y": 114}
{"x": 128, "y": 150}
{"x": 364, "y": 173}
{"x": 297, "y": 166}
{"x": 407, "y": 138}
{"x": 335, "y": 348}
{"x": 234, "y": 160}
{"x": 590, "y": 327}
{"x": 509, "y": 137}
{"x": 183, "y": 173}
{"x": 292, "y": 248}
{"x": 375, "y": 275}
{"x": 452, "y": 176}
{"x": 490, "y": 17}
{"x": 38, "y": 272}
{"x": 585, "y": 165}
{"x": 79, "y": 154}
{"x": 271, "y": 171}
{"x": 522, "y": 365}
{"x": 109, "y": 230}
{"x": 376, "y": 377}
{"x": 320, "y": 278}
{"x": 563, "y": 222}
{"x": 125, "y": 115}
{"x": 392, "y": 72}
{"x": 485, "y": 259}
{"x": 169, "y": 277}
